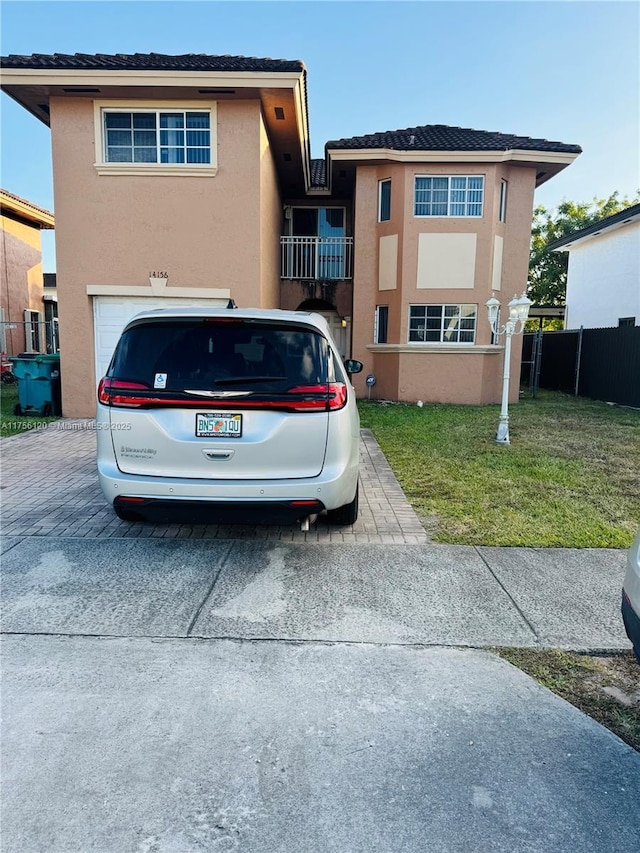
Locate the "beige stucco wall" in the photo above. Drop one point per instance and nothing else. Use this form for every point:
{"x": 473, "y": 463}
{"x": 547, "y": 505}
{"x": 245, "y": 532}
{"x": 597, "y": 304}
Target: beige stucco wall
{"x": 115, "y": 230}
{"x": 435, "y": 376}
{"x": 270, "y": 226}
{"x": 21, "y": 286}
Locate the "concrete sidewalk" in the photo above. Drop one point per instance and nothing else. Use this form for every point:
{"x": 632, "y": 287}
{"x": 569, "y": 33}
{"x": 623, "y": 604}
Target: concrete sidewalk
{"x": 407, "y": 594}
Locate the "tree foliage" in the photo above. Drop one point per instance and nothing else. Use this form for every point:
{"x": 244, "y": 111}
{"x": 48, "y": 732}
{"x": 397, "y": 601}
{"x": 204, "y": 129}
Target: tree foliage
{"x": 548, "y": 270}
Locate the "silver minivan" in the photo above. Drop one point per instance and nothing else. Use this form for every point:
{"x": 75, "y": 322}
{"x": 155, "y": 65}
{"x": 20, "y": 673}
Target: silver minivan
{"x": 228, "y": 415}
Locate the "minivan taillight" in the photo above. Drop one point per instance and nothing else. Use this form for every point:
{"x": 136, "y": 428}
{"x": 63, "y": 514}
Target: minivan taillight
{"x": 108, "y": 393}
{"x": 334, "y": 397}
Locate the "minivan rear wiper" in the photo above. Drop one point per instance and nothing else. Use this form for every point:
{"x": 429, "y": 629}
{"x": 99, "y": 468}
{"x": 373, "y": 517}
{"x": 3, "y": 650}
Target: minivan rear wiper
{"x": 248, "y": 380}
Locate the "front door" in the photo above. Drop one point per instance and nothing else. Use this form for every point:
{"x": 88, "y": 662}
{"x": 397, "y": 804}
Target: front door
{"x": 339, "y": 332}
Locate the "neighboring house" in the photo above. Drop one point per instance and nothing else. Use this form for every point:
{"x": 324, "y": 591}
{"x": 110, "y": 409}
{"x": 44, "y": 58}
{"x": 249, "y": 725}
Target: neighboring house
{"x": 23, "y": 311}
{"x": 188, "y": 179}
{"x": 603, "y": 278}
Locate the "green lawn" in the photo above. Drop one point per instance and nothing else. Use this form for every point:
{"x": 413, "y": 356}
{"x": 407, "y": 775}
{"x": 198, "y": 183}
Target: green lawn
{"x": 571, "y": 476}
{"x": 11, "y": 424}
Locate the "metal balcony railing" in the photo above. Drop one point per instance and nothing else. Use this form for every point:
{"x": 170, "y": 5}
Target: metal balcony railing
{"x": 317, "y": 258}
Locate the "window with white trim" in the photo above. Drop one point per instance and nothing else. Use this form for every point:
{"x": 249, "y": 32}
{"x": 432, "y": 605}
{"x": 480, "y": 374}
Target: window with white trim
{"x": 502, "y": 213}
{"x": 171, "y": 136}
{"x": 381, "y": 324}
{"x": 449, "y": 195}
{"x": 447, "y": 324}
{"x": 384, "y": 200}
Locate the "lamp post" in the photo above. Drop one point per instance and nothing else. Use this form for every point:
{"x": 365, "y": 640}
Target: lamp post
{"x": 518, "y": 313}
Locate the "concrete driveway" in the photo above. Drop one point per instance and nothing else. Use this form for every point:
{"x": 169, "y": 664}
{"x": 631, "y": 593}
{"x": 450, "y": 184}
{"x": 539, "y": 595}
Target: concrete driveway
{"x": 196, "y": 692}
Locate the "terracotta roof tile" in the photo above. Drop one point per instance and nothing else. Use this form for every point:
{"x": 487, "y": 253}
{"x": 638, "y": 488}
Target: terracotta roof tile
{"x": 149, "y": 62}
{"x": 440, "y": 137}
{"x": 318, "y": 173}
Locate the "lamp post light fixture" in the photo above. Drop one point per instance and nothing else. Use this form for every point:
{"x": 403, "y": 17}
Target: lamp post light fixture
{"x": 518, "y": 313}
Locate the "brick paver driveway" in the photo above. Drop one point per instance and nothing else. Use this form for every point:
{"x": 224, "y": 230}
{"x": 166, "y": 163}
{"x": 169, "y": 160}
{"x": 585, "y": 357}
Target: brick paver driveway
{"x": 50, "y": 488}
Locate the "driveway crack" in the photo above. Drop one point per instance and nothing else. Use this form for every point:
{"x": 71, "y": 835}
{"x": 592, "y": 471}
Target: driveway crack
{"x": 11, "y": 547}
{"x": 509, "y": 596}
{"x": 209, "y": 592}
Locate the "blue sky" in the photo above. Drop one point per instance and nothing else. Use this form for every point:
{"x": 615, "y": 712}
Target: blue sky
{"x": 567, "y": 71}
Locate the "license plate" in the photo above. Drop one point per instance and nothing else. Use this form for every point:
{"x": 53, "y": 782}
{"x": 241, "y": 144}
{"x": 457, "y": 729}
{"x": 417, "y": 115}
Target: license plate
{"x": 218, "y": 425}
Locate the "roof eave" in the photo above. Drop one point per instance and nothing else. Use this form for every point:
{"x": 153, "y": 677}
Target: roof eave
{"x": 40, "y": 217}
{"x": 565, "y": 244}
{"x": 141, "y": 77}
{"x": 417, "y": 156}
{"x": 21, "y": 83}
{"x": 547, "y": 163}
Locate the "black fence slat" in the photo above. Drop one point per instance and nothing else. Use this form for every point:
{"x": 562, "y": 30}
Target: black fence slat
{"x": 609, "y": 363}
{"x": 610, "y": 367}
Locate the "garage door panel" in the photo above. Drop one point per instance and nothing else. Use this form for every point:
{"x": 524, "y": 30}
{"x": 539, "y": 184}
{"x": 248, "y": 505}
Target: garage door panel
{"x": 112, "y": 313}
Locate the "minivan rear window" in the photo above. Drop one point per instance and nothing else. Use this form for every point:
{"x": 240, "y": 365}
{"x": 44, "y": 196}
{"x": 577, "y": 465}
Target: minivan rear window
{"x": 220, "y": 354}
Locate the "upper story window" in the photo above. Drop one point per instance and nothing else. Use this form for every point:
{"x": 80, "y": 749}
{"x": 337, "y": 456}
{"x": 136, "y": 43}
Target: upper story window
{"x": 384, "y": 200}
{"x": 451, "y": 195}
{"x": 449, "y": 324}
{"x": 502, "y": 213}
{"x": 157, "y": 137}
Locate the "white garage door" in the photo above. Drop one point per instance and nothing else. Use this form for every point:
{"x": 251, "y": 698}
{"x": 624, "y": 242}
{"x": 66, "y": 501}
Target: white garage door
{"x": 112, "y": 313}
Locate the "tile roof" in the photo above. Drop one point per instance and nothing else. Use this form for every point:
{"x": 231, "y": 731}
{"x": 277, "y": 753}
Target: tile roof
{"x": 6, "y": 199}
{"x": 596, "y": 227}
{"x": 149, "y": 62}
{"x": 318, "y": 173}
{"x": 441, "y": 137}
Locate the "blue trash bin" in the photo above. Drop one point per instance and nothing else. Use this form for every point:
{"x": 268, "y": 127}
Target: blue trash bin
{"x": 38, "y": 378}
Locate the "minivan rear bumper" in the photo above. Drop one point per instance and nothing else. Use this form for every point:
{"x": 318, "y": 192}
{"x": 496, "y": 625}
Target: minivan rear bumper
{"x": 335, "y": 487}
{"x": 163, "y": 511}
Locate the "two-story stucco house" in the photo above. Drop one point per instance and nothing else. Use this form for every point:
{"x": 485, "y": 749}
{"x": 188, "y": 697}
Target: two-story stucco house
{"x": 189, "y": 179}
{"x": 27, "y": 314}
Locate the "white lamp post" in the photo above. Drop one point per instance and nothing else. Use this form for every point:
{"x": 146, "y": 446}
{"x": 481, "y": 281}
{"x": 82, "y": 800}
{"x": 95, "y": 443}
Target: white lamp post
{"x": 518, "y": 313}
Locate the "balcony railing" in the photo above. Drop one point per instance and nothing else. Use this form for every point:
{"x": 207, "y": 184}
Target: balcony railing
{"x": 317, "y": 258}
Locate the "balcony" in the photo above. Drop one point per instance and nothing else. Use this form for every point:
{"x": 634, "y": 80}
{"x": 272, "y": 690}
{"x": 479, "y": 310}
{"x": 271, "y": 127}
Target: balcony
{"x": 316, "y": 258}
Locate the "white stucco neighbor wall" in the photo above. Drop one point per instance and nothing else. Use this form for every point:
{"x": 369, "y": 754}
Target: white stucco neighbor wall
{"x": 603, "y": 282}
